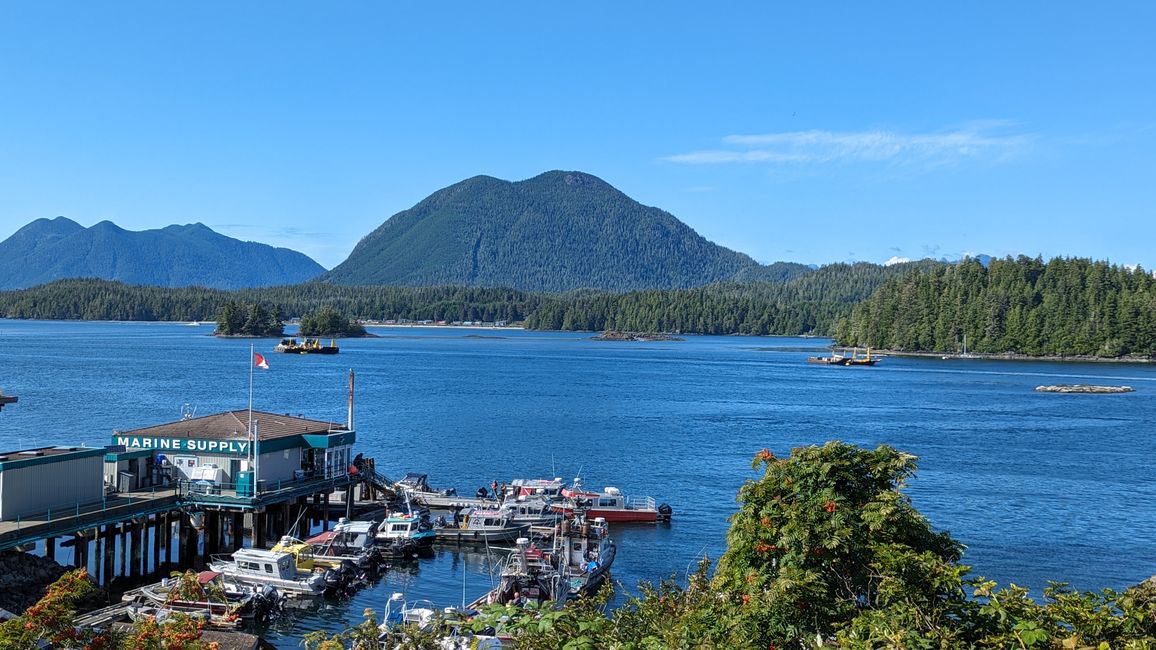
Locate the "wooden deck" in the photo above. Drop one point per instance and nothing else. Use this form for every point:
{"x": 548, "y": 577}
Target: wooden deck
{"x": 116, "y": 507}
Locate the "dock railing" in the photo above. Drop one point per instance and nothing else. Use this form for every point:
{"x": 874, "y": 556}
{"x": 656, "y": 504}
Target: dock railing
{"x": 65, "y": 519}
{"x": 641, "y": 503}
{"x": 263, "y": 492}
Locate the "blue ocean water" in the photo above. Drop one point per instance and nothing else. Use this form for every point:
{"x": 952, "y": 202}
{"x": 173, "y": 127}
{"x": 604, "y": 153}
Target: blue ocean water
{"x": 1038, "y": 486}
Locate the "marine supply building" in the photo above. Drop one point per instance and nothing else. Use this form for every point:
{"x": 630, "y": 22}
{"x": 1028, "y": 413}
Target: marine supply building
{"x": 280, "y": 447}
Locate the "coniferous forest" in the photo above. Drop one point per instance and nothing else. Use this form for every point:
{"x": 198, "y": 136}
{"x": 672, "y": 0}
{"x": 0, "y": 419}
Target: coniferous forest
{"x": 1063, "y": 307}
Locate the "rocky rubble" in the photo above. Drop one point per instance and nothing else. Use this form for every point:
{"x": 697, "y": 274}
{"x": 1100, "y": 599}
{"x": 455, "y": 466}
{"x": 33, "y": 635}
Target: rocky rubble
{"x": 24, "y": 579}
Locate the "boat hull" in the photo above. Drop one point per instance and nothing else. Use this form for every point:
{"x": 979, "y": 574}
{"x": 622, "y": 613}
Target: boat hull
{"x": 465, "y": 536}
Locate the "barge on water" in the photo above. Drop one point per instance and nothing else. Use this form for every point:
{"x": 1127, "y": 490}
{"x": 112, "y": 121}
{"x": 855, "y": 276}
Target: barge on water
{"x": 840, "y": 357}
{"x": 306, "y": 346}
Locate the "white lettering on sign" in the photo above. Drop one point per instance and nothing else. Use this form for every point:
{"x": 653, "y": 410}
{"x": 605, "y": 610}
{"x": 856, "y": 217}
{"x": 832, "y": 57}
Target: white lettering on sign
{"x": 235, "y": 447}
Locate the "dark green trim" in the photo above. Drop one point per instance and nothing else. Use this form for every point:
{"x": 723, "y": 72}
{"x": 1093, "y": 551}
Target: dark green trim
{"x": 15, "y": 460}
{"x": 330, "y": 440}
{"x": 117, "y": 456}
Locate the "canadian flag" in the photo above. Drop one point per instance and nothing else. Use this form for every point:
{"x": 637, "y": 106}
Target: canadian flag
{"x": 259, "y": 361}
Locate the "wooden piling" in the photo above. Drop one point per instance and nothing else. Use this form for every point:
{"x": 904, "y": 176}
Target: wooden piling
{"x": 135, "y": 555}
{"x": 109, "y": 571}
{"x": 238, "y": 530}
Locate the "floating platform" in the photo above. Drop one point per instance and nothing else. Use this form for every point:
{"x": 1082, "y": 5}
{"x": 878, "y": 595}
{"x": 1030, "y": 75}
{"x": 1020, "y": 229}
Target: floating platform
{"x": 1085, "y": 388}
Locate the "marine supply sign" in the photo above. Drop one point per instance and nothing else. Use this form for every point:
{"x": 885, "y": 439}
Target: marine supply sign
{"x": 236, "y": 447}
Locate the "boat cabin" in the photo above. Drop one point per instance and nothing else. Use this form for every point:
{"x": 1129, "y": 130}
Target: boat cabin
{"x": 526, "y": 488}
{"x": 256, "y": 562}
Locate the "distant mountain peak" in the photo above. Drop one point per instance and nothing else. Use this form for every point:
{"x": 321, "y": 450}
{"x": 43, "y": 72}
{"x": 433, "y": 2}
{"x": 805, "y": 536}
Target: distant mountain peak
{"x": 557, "y": 231}
{"x": 47, "y": 250}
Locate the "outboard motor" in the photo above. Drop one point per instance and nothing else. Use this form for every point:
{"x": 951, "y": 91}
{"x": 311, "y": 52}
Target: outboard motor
{"x": 332, "y": 579}
{"x": 482, "y": 493}
{"x": 664, "y": 512}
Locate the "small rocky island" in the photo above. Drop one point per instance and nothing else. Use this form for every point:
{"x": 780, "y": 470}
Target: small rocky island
{"x": 1084, "y": 388}
{"x": 612, "y": 335}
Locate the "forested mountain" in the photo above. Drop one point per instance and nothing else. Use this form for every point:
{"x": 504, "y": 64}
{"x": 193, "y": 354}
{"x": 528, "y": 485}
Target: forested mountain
{"x": 1024, "y": 305}
{"x": 809, "y": 303}
{"x": 175, "y": 256}
{"x": 555, "y": 232}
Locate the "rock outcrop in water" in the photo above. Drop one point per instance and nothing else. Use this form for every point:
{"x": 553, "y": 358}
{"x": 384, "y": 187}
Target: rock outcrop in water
{"x": 611, "y": 335}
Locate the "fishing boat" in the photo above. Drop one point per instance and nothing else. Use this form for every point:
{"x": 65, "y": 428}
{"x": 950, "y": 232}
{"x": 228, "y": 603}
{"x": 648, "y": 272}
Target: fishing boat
{"x": 532, "y": 512}
{"x": 259, "y": 567}
{"x": 337, "y": 572}
{"x": 610, "y": 504}
{"x": 416, "y": 488}
{"x": 535, "y": 488}
{"x": 353, "y": 541}
{"x": 305, "y": 346}
{"x": 482, "y": 525}
{"x": 529, "y": 575}
{"x": 406, "y": 535}
{"x": 584, "y": 554}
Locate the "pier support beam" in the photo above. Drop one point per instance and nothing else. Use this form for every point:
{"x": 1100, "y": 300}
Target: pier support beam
{"x": 135, "y": 556}
{"x": 212, "y": 533}
{"x": 349, "y": 498}
{"x": 167, "y": 537}
{"x": 259, "y": 528}
{"x": 238, "y": 530}
{"x": 50, "y": 548}
{"x": 186, "y": 543}
{"x": 123, "y": 534}
{"x": 304, "y": 522}
{"x": 156, "y": 541}
{"x": 325, "y": 511}
{"x": 107, "y": 573}
{"x": 80, "y": 549}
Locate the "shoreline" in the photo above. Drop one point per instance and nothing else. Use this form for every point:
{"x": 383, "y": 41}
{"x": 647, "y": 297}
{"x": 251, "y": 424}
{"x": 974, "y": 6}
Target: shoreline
{"x": 447, "y": 326}
{"x": 1012, "y": 356}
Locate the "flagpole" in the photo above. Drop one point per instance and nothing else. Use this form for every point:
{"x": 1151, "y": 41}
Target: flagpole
{"x": 252, "y": 442}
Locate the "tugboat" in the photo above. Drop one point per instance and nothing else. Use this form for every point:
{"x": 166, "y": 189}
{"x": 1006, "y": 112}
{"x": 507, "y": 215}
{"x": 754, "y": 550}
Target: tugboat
{"x": 306, "y": 346}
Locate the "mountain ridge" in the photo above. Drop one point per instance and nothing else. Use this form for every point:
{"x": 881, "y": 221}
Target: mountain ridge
{"x": 173, "y": 256}
{"x": 557, "y": 231}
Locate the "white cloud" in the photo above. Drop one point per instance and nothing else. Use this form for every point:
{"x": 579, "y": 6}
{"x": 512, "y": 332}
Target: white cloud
{"x": 895, "y": 259}
{"x": 981, "y": 139}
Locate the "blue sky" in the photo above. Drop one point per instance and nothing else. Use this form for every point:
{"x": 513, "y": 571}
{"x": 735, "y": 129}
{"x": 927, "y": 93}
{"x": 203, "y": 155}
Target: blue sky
{"x": 809, "y": 132}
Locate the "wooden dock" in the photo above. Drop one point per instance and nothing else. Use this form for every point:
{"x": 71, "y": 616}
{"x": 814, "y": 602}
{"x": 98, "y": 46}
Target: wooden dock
{"x": 114, "y": 508}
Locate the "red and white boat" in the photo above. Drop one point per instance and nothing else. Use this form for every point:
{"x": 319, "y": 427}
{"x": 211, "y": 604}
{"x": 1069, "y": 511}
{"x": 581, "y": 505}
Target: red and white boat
{"x": 611, "y": 505}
